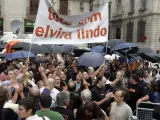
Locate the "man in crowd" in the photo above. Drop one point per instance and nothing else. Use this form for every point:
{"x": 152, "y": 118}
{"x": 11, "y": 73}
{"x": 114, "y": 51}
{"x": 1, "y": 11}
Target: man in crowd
{"x": 137, "y": 92}
{"x": 45, "y": 103}
{"x": 27, "y": 109}
{"x": 119, "y": 109}
{"x": 63, "y": 99}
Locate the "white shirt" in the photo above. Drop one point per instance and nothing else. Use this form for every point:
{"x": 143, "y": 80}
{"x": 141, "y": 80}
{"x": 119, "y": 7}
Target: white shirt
{"x": 35, "y": 117}
{"x": 11, "y": 105}
{"x": 53, "y": 94}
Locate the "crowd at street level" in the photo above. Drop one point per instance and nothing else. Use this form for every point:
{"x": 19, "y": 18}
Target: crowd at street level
{"x": 61, "y": 89}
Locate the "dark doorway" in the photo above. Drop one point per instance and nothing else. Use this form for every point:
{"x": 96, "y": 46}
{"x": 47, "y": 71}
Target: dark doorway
{"x": 63, "y": 10}
{"x": 118, "y": 33}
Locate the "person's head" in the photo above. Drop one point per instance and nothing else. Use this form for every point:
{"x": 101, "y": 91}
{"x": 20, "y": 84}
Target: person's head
{"x": 92, "y": 111}
{"x": 119, "y": 74}
{"x": 101, "y": 81}
{"x": 85, "y": 75}
{"x": 10, "y": 74}
{"x": 90, "y": 70}
{"x": 146, "y": 64}
{"x": 71, "y": 86}
{"x": 154, "y": 72}
{"x": 34, "y": 92}
{"x": 86, "y": 95}
{"x": 62, "y": 76}
{"x": 27, "y": 107}
{"x": 154, "y": 86}
{"x": 146, "y": 73}
{"x": 140, "y": 74}
{"x": 3, "y": 96}
{"x": 121, "y": 95}
{"x": 57, "y": 81}
{"x": 50, "y": 75}
{"x": 45, "y": 100}
{"x": 40, "y": 84}
{"x": 78, "y": 78}
{"x": 75, "y": 69}
{"x": 134, "y": 79}
{"x": 63, "y": 98}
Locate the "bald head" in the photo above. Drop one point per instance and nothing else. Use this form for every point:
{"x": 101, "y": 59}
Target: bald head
{"x": 34, "y": 92}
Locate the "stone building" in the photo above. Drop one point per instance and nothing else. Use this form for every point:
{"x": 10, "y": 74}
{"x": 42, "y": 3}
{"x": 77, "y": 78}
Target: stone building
{"x": 136, "y": 21}
{"x": 26, "y": 10}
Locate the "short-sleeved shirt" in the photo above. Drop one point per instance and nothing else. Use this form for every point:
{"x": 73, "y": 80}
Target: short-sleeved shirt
{"x": 50, "y": 114}
{"x": 136, "y": 91}
{"x": 99, "y": 93}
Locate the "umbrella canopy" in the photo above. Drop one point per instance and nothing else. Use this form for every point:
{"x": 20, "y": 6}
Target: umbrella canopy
{"x": 125, "y": 46}
{"x": 91, "y": 59}
{"x": 68, "y": 48}
{"x": 35, "y": 48}
{"x": 152, "y": 56}
{"x": 144, "y": 50}
{"x": 19, "y": 54}
{"x": 41, "y": 60}
{"x": 79, "y": 52}
{"x": 114, "y": 42}
{"x": 57, "y": 49}
{"x": 48, "y": 46}
{"x": 98, "y": 49}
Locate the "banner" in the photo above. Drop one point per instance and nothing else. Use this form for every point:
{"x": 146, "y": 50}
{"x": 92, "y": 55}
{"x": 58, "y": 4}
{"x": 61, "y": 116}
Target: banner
{"x": 51, "y": 28}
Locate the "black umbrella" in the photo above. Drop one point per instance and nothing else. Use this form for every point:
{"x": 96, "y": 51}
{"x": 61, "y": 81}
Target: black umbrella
{"x": 91, "y": 59}
{"x": 144, "y": 50}
{"x": 152, "y": 56}
{"x": 114, "y": 42}
{"x": 35, "y": 48}
{"x": 57, "y": 49}
{"x": 68, "y": 48}
{"x": 79, "y": 52}
{"x": 41, "y": 60}
{"x": 48, "y": 46}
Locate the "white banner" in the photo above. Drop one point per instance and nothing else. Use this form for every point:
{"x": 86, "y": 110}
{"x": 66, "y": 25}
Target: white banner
{"x": 51, "y": 28}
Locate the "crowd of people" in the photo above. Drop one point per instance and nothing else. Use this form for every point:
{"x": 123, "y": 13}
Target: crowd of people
{"x": 63, "y": 90}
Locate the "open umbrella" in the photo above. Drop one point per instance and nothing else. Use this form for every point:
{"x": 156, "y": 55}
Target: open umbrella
{"x": 91, "y": 59}
{"x": 35, "y": 48}
{"x": 125, "y": 47}
{"x": 41, "y": 60}
{"x": 79, "y": 52}
{"x": 152, "y": 56}
{"x": 57, "y": 49}
{"x": 144, "y": 50}
{"x": 68, "y": 48}
{"x": 114, "y": 42}
{"x": 19, "y": 54}
{"x": 98, "y": 49}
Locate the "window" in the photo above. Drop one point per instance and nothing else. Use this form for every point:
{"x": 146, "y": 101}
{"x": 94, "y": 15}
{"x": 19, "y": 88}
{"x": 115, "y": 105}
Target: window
{"x": 119, "y": 6}
{"x": 129, "y": 37}
{"x": 143, "y": 4}
{"x": 63, "y": 10}
{"x": 33, "y": 7}
{"x": 141, "y": 30}
{"x": 131, "y": 5}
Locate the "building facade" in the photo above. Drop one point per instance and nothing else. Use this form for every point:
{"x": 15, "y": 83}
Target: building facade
{"x": 136, "y": 21}
{"x": 26, "y": 10}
